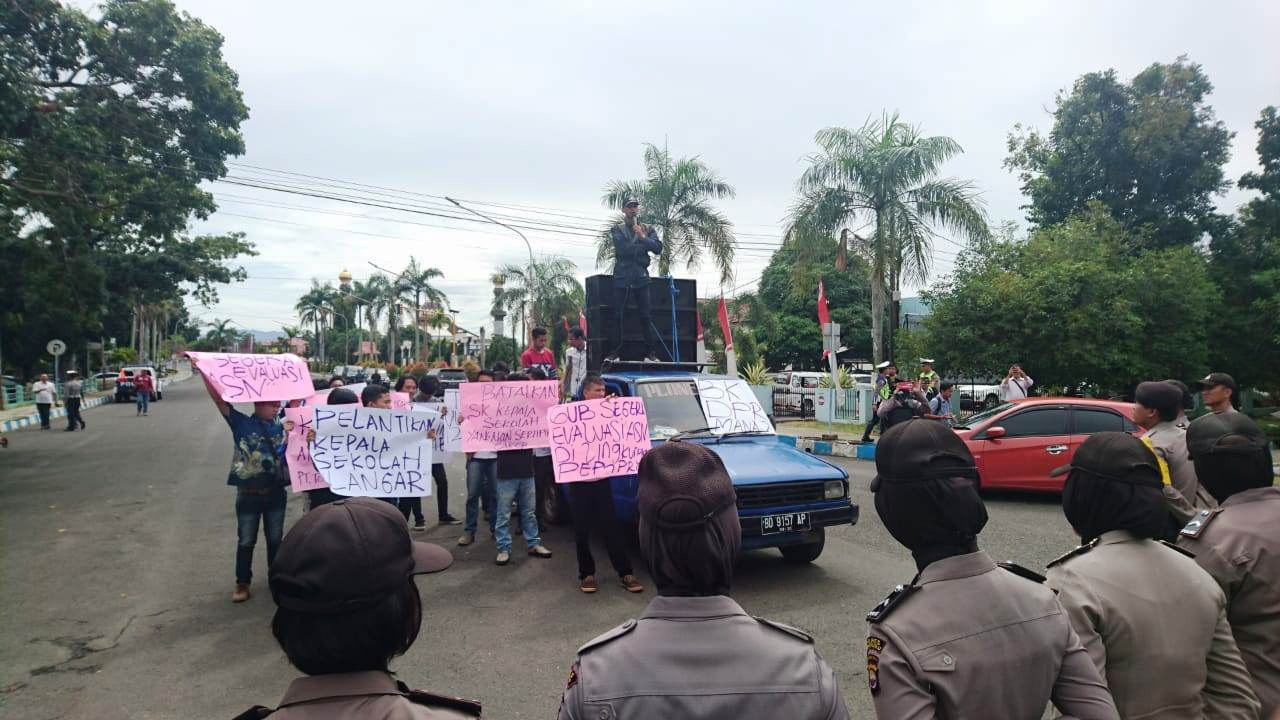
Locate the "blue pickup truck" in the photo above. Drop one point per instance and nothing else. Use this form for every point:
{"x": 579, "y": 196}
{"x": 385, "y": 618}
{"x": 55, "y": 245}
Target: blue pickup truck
{"x": 786, "y": 498}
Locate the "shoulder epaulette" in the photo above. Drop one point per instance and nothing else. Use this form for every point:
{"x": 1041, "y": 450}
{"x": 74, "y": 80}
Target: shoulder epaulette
{"x": 796, "y": 632}
{"x": 613, "y": 634}
{"x": 891, "y": 601}
{"x": 1078, "y": 551}
{"x": 1182, "y": 550}
{"x": 1198, "y": 523}
{"x": 1022, "y": 572}
{"x": 470, "y": 707}
{"x": 257, "y": 712}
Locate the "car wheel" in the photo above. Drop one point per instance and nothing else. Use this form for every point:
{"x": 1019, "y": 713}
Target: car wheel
{"x": 555, "y": 507}
{"x": 806, "y": 407}
{"x": 806, "y": 553}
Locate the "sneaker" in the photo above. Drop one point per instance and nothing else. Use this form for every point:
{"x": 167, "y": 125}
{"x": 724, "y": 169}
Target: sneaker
{"x": 449, "y": 520}
{"x": 630, "y": 584}
{"x": 539, "y": 551}
{"x": 241, "y": 594}
{"x": 466, "y": 539}
{"x": 588, "y": 584}
{"x": 419, "y": 526}
{"x": 503, "y": 558}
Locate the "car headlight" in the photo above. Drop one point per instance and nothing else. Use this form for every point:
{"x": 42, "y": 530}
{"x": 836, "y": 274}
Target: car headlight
{"x": 833, "y": 490}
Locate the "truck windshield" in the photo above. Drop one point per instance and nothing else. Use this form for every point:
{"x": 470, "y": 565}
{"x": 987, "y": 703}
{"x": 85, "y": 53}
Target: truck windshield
{"x": 672, "y": 407}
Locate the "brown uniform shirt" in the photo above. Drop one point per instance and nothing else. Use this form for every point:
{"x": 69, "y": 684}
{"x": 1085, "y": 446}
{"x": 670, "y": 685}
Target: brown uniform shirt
{"x": 975, "y": 641}
{"x": 701, "y": 657}
{"x": 1155, "y": 626}
{"x": 1170, "y": 443}
{"x": 366, "y": 696}
{"x": 1238, "y": 543}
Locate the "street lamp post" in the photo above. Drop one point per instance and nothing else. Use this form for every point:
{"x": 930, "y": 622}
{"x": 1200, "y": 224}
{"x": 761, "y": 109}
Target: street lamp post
{"x": 528, "y": 281}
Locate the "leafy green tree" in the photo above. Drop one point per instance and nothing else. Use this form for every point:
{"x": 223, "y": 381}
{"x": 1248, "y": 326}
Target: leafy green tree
{"x": 883, "y": 175}
{"x": 1245, "y": 262}
{"x": 502, "y": 349}
{"x": 789, "y": 285}
{"x": 676, "y": 197}
{"x": 1076, "y": 305}
{"x": 1151, "y": 151}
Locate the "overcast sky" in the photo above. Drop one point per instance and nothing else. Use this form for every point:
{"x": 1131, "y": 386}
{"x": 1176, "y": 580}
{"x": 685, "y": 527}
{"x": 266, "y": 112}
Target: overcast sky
{"x": 542, "y": 103}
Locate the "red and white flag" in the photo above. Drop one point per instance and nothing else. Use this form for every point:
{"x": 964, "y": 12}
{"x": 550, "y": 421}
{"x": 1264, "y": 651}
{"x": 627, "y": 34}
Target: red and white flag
{"x": 724, "y": 325}
{"x": 566, "y": 324}
{"x": 699, "y": 318}
{"x": 582, "y": 321}
{"x": 824, "y": 315}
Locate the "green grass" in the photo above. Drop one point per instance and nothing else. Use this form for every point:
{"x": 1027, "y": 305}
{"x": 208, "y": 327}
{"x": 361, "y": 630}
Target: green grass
{"x": 815, "y": 428}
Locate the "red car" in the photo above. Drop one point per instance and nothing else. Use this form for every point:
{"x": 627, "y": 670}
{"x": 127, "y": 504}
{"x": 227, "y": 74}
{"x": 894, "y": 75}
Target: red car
{"x": 1016, "y": 444}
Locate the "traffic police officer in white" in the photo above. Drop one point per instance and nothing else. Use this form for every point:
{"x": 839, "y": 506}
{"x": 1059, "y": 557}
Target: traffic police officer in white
{"x": 1153, "y": 622}
{"x": 967, "y": 638}
{"x": 695, "y": 653}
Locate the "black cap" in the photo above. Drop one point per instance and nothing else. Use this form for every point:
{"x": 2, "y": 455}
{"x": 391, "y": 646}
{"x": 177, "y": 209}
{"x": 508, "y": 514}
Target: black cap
{"x": 1116, "y": 456}
{"x": 682, "y": 486}
{"x": 630, "y": 201}
{"x": 349, "y": 555}
{"x": 920, "y": 449}
{"x": 1219, "y": 379}
{"x": 1158, "y": 395}
{"x": 1217, "y": 433}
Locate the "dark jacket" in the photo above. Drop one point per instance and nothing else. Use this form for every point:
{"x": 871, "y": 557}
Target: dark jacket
{"x": 631, "y": 255}
{"x": 515, "y": 464}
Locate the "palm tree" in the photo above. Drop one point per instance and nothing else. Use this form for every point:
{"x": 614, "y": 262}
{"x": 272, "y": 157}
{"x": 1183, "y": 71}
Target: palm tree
{"x": 553, "y": 285}
{"x": 313, "y": 307}
{"x": 675, "y": 196}
{"x": 415, "y": 282}
{"x": 221, "y": 335}
{"x": 367, "y": 300}
{"x": 882, "y": 175}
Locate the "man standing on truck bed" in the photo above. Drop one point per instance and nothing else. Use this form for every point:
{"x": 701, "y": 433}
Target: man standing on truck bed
{"x": 632, "y": 243}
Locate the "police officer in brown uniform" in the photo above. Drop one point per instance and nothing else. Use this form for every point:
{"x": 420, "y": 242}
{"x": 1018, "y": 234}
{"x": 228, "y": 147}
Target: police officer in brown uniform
{"x": 1238, "y": 542}
{"x": 967, "y": 638}
{"x": 1153, "y": 622}
{"x": 1156, "y": 408}
{"x": 695, "y": 653}
{"x": 343, "y": 581}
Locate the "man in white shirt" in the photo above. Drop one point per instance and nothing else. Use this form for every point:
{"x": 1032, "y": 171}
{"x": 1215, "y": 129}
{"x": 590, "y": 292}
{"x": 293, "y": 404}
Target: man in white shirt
{"x": 575, "y": 364}
{"x": 46, "y": 393}
{"x": 1016, "y": 385}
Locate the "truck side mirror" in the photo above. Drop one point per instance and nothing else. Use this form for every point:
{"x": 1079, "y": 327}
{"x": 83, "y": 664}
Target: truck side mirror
{"x": 995, "y": 433}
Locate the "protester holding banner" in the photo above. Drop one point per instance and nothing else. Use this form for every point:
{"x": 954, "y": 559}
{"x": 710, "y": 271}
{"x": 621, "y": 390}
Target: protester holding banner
{"x": 257, "y": 473}
{"x": 408, "y": 384}
{"x": 544, "y": 475}
{"x": 347, "y": 604}
{"x": 323, "y": 496}
{"x": 592, "y": 504}
{"x": 429, "y": 391}
{"x": 515, "y": 483}
{"x": 481, "y": 480}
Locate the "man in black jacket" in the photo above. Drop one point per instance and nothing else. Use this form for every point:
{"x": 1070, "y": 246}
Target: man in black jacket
{"x": 632, "y": 243}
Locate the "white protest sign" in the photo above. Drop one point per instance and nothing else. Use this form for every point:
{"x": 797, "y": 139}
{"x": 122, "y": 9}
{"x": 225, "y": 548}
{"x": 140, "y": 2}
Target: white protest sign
{"x": 452, "y": 421}
{"x": 731, "y": 406}
{"x": 369, "y": 452}
{"x": 436, "y": 422}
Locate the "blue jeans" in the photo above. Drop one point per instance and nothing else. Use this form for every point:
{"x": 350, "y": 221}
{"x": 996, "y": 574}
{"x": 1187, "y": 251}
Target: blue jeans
{"x": 144, "y": 401}
{"x": 525, "y": 492}
{"x": 250, "y": 510}
{"x": 481, "y": 476}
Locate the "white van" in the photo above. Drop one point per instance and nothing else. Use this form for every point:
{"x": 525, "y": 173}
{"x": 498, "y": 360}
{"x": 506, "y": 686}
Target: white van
{"x": 794, "y": 391}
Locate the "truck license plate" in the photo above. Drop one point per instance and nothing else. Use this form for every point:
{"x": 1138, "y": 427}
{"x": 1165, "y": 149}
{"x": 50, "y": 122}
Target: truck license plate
{"x": 784, "y": 522}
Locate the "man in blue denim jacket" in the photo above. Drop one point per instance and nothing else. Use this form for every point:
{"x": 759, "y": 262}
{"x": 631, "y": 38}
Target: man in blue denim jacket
{"x": 632, "y": 243}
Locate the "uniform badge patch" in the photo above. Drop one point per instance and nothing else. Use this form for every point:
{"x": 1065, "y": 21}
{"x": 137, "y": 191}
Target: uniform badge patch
{"x": 573, "y": 677}
{"x": 874, "y": 647}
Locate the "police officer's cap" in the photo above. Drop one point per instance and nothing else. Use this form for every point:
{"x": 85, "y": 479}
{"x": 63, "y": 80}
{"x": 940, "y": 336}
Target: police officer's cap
{"x": 683, "y": 485}
{"x": 884, "y": 365}
{"x": 349, "y": 555}
{"x": 918, "y": 450}
{"x": 1219, "y": 378}
{"x": 1115, "y": 456}
{"x": 926, "y": 360}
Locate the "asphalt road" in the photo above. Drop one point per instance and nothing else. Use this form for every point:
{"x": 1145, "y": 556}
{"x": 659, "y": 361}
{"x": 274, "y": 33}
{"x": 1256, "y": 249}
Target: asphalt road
{"x": 116, "y": 570}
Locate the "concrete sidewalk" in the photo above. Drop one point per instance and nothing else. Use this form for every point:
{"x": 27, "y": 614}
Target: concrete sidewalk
{"x": 25, "y": 416}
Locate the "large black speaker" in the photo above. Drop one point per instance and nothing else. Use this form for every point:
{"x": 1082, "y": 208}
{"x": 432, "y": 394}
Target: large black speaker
{"x": 677, "y": 340}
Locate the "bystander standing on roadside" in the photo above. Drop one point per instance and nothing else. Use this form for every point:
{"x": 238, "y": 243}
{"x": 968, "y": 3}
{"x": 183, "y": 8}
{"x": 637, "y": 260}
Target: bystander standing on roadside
{"x": 538, "y": 355}
{"x": 46, "y": 394}
{"x": 940, "y": 405}
{"x": 1016, "y": 384}
{"x": 71, "y": 398}
{"x": 593, "y": 509}
{"x": 575, "y": 365}
{"x": 142, "y": 389}
{"x": 258, "y": 475}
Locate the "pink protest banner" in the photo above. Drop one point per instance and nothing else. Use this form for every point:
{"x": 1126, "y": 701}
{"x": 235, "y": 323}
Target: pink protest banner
{"x": 401, "y": 401}
{"x": 506, "y": 415}
{"x": 241, "y": 378}
{"x": 596, "y": 439}
{"x": 303, "y": 474}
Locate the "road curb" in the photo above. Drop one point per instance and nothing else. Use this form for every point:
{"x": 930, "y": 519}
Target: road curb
{"x": 838, "y": 448}
{"x": 60, "y": 412}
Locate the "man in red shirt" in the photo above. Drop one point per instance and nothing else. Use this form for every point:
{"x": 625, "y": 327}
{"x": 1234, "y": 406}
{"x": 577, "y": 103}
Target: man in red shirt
{"x": 538, "y": 356}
